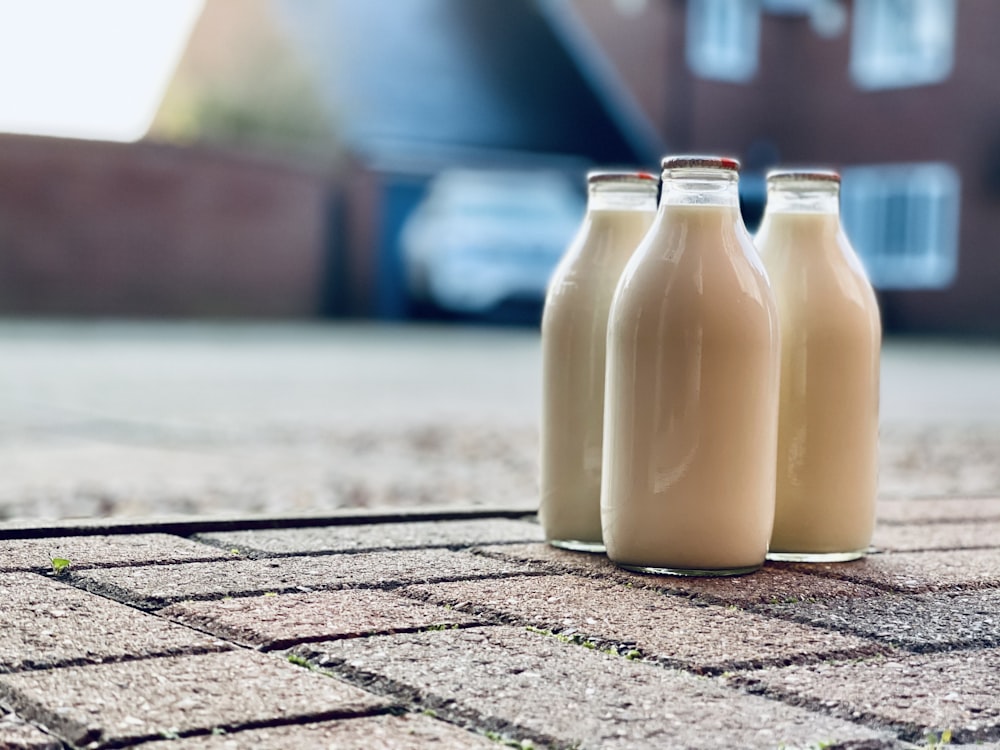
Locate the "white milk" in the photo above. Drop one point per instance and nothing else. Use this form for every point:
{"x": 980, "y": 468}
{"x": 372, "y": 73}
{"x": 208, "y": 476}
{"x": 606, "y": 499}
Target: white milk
{"x": 620, "y": 208}
{"x": 827, "y": 470}
{"x": 691, "y": 401}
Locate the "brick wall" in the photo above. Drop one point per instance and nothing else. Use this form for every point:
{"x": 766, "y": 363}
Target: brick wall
{"x": 93, "y": 228}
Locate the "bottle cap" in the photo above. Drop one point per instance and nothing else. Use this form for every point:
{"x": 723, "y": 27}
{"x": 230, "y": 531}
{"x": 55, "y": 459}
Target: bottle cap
{"x": 803, "y": 175}
{"x": 613, "y": 176}
{"x": 696, "y": 161}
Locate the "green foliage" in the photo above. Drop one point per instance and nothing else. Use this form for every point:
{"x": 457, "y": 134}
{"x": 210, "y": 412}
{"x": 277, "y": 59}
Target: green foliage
{"x": 299, "y": 661}
{"x": 60, "y": 565}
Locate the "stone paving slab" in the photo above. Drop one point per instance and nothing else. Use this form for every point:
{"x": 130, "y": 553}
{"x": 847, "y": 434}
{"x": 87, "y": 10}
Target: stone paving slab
{"x": 772, "y": 583}
{"x": 377, "y": 536}
{"x": 709, "y": 639}
{"x": 409, "y": 732}
{"x": 105, "y": 550}
{"x": 946, "y": 510}
{"x": 957, "y": 691}
{"x": 114, "y": 704}
{"x": 17, "y": 734}
{"x": 917, "y": 572}
{"x": 45, "y": 623}
{"x": 926, "y": 622}
{"x": 283, "y": 620}
{"x": 157, "y": 586}
{"x": 937, "y": 536}
{"x": 532, "y": 686}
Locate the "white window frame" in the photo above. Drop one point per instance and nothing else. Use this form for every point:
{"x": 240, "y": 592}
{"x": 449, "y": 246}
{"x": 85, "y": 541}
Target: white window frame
{"x": 903, "y": 220}
{"x": 723, "y": 39}
{"x": 902, "y": 43}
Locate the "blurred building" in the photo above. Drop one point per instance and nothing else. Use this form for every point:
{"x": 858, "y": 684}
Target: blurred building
{"x": 368, "y": 106}
{"x": 902, "y": 95}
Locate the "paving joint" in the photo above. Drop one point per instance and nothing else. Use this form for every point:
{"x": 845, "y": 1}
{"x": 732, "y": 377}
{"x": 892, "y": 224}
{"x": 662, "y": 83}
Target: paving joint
{"x": 905, "y": 731}
{"x": 153, "y": 603}
{"x": 288, "y": 644}
{"x": 119, "y": 659}
{"x": 252, "y": 553}
{"x": 426, "y": 703}
{"x": 188, "y": 526}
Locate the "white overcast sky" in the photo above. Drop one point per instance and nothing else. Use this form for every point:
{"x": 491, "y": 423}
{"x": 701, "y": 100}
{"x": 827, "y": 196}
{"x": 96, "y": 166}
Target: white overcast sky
{"x": 88, "y": 68}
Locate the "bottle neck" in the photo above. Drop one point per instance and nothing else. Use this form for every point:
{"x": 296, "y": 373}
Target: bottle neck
{"x": 700, "y": 187}
{"x": 822, "y": 198}
{"x": 621, "y": 196}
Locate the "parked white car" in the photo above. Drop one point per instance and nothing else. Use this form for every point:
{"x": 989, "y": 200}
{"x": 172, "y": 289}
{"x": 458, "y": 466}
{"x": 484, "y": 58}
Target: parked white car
{"x": 481, "y": 237}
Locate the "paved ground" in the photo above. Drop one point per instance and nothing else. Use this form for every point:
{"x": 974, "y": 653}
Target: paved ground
{"x": 468, "y": 632}
{"x": 142, "y": 419}
{"x": 350, "y": 617}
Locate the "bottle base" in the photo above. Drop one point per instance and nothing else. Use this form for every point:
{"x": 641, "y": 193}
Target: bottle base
{"x": 691, "y": 572}
{"x": 575, "y": 545}
{"x": 817, "y": 557}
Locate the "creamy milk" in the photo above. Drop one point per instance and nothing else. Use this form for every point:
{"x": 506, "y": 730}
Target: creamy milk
{"x": 691, "y": 399}
{"x": 827, "y": 470}
{"x": 574, "y": 333}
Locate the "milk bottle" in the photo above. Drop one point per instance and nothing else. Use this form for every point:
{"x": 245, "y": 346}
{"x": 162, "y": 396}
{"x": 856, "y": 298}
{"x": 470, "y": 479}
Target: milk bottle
{"x": 620, "y": 208}
{"x": 691, "y": 401}
{"x": 827, "y": 470}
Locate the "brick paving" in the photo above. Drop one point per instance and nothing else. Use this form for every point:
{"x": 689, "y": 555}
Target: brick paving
{"x": 102, "y": 551}
{"x": 271, "y": 622}
{"x": 409, "y": 732}
{"x": 462, "y": 632}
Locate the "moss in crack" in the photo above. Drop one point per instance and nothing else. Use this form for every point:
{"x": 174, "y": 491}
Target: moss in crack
{"x": 934, "y": 740}
{"x": 506, "y": 741}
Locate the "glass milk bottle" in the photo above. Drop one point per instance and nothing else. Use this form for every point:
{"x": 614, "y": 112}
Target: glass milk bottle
{"x": 691, "y": 401}
{"x": 827, "y": 471}
{"x": 620, "y": 208}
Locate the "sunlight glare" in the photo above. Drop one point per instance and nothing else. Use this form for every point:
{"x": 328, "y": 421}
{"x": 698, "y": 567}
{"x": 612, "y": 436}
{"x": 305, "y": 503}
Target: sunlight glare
{"x": 88, "y": 68}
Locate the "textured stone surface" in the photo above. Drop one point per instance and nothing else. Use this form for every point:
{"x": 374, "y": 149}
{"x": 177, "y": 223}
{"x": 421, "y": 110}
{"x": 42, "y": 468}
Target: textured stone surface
{"x": 771, "y": 583}
{"x": 154, "y": 587}
{"x": 250, "y": 418}
{"x": 937, "y": 536}
{"x": 119, "y": 703}
{"x": 552, "y": 558}
{"x": 917, "y": 571}
{"x": 536, "y": 687}
{"x": 922, "y": 692}
{"x": 378, "y": 536}
{"x": 921, "y": 623}
{"x": 948, "y": 510}
{"x": 46, "y": 623}
{"x": 941, "y": 459}
{"x": 702, "y": 638}
{"x": 409, "y": 732}
{"x": 283, "y": 620}
{"x": 87, "y": 551}
{"x": 17, "y": 734}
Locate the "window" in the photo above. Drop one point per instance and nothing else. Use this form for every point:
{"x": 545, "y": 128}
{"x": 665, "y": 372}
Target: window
{"x": 722, "y": 39}
{"x": 903, "y": 221}
{"x": 898, "y": 43}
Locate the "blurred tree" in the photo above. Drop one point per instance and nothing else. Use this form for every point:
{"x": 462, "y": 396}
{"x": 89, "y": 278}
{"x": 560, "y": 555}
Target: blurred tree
{"x": 241, "y": 81}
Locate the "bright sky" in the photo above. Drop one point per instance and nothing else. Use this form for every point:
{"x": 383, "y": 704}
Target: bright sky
{"x": 88, "y": 68}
